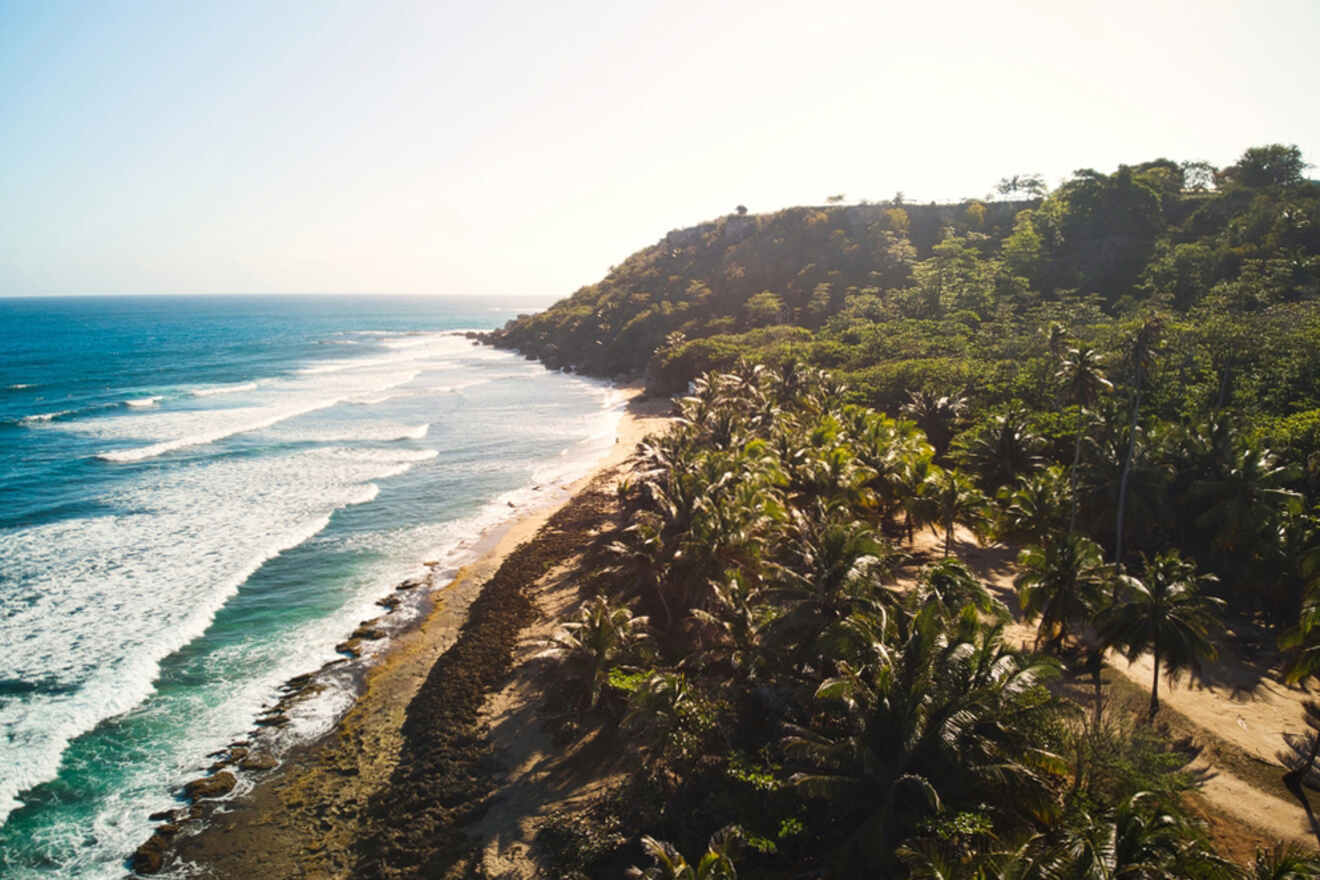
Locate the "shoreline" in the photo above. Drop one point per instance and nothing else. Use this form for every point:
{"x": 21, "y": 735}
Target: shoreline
{"x": 311, "y": 814}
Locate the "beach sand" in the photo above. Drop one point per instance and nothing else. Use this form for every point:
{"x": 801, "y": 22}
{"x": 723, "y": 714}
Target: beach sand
{"x": 354, "y": 802}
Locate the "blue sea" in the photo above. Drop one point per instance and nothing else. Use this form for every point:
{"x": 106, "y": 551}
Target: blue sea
{"x": 201, "y": 496}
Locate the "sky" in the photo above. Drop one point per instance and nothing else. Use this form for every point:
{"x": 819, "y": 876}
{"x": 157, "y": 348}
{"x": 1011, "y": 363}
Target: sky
{"x": 523, "y": 148}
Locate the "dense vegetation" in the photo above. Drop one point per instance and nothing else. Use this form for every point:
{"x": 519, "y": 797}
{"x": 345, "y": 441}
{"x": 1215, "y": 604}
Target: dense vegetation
{"x": 1122, "y": 377}
{"x": 1196, "y": 308}
{"x": 746, "y": 634}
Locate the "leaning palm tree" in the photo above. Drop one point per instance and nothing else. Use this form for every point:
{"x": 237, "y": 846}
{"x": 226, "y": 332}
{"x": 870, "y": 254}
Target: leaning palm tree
{"x": 1084, "y": 381}
{"x": 602, "y": 637}
{"x": 1165, "y": 614}
{"x": 1062, "y": 583}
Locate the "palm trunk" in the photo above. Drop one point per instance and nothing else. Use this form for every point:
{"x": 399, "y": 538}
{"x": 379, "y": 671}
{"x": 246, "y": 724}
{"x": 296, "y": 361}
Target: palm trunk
{"x": 1072, "y": 476}
{"x": 1127, "y": 472}
{"x": 948, "y": 538}
{"x": 1155, "y": 683}
{"x": 1097, "y": 666}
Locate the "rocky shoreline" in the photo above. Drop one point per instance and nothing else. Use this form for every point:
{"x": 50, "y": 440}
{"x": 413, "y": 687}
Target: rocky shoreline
{"x": 386, "y": 791}
{"x": 255, "y": 754}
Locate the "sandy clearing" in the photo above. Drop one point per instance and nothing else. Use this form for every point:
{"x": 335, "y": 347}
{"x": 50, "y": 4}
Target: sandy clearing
{"x": 1237, "y": 704}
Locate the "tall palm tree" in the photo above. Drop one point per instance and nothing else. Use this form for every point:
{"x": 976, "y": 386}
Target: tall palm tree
{"x": 1081, "y": 372}
{"x": 1061, "y": 582}
{"x": 1141, "y": 358}
{"x": 1165, "y": 614}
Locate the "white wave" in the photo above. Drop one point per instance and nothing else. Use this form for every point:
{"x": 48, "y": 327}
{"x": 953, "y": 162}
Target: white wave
{"x": 224, "y": 389}
{"x": 143, "y": 403}
{"x": 383, "y": 455}
{"x": 37, "y": 418}
{"x": 19, "y": 386}
{"x": 212, "y": 435}
{"x": 373, "y": 400}
{"x": 182, "y": 429}
{"x": 99, "y": 602}
{"x": 356, "y": 432}
{"x": 416, "y": 433}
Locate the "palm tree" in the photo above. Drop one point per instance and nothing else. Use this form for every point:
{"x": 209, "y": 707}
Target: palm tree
{"x": 1167, "y": 615}
{"x": 1037, "y": 508}
{"x": 1000, "y": 450}
{"x": 951, "y": 585}
{"x": 947, "y": 709}
{"x": 912, "y": 482}
{"x": 1061, "y": 582}
{"x": 1240, "y": 504}
{"x": 1084, "y": 381}
{"x": 603, "y": 636}
{"x": 1301, "y": 643}
{"x": 715, "y": 864}
{"x": 936, "y": 414}
{"x": 1139, "y": 839}
{"x": 1285, "y": 862}
{"x": 1141, "y": 357}
{"x": 831, "y": 572}
{"x": 954, "y": 499}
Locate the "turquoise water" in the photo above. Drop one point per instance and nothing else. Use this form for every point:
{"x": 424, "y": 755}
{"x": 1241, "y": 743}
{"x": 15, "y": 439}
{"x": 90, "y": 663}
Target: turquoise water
{"x": 200, "y": 496}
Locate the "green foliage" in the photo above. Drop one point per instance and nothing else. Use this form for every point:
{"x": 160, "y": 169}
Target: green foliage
{"x": 1129, "y": 365}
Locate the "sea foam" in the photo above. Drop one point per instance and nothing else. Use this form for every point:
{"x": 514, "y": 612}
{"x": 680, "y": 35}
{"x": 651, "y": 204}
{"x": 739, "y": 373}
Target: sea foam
{"x": 100, "y": 601}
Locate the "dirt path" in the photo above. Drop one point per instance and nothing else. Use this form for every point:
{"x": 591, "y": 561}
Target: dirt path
{"x": 1240, "y": 705}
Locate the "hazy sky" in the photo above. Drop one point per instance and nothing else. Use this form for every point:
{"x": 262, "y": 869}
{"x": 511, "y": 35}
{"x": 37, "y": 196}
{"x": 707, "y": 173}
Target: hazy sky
{"x": 494, "y": 147}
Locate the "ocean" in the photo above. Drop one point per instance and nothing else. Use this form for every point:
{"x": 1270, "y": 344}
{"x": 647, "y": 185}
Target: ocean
{"x": 201, "y": 496}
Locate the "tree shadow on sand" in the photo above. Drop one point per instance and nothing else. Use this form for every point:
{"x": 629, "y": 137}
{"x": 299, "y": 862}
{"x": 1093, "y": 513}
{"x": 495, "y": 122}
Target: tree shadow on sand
{"x": 1299, "y": 757}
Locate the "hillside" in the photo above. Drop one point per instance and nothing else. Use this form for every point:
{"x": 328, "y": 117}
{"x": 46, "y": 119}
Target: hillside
{"x": 1117, "y": 385}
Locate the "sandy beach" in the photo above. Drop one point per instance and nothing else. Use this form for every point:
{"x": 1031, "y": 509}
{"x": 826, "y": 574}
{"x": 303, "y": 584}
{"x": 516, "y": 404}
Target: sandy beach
{"x": 359, "y": 801}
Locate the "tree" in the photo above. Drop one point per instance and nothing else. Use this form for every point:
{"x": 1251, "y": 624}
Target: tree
{"x": 1036, "y": 508}
{"x": 602, "y": 636}
{"x": 1062, "y": 583}
{"x": 1271, "y": 165}
{"x": 935, "y": 414}
{"x": 1032, "y": 185}
{"x": 742, "y": 210}
{"x": 947, "y": 714}
{"x": 1284, "y": 861}
{"x": 715, "y": 864}
{"x": 1141, "y": 357}
{"x": 1165, "y": 614}
{"x": 1000, "y": 450}
{"x": 764, "y": 309}
{"x": 955, "y": 499}
{"x": 1083, "y": 378}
